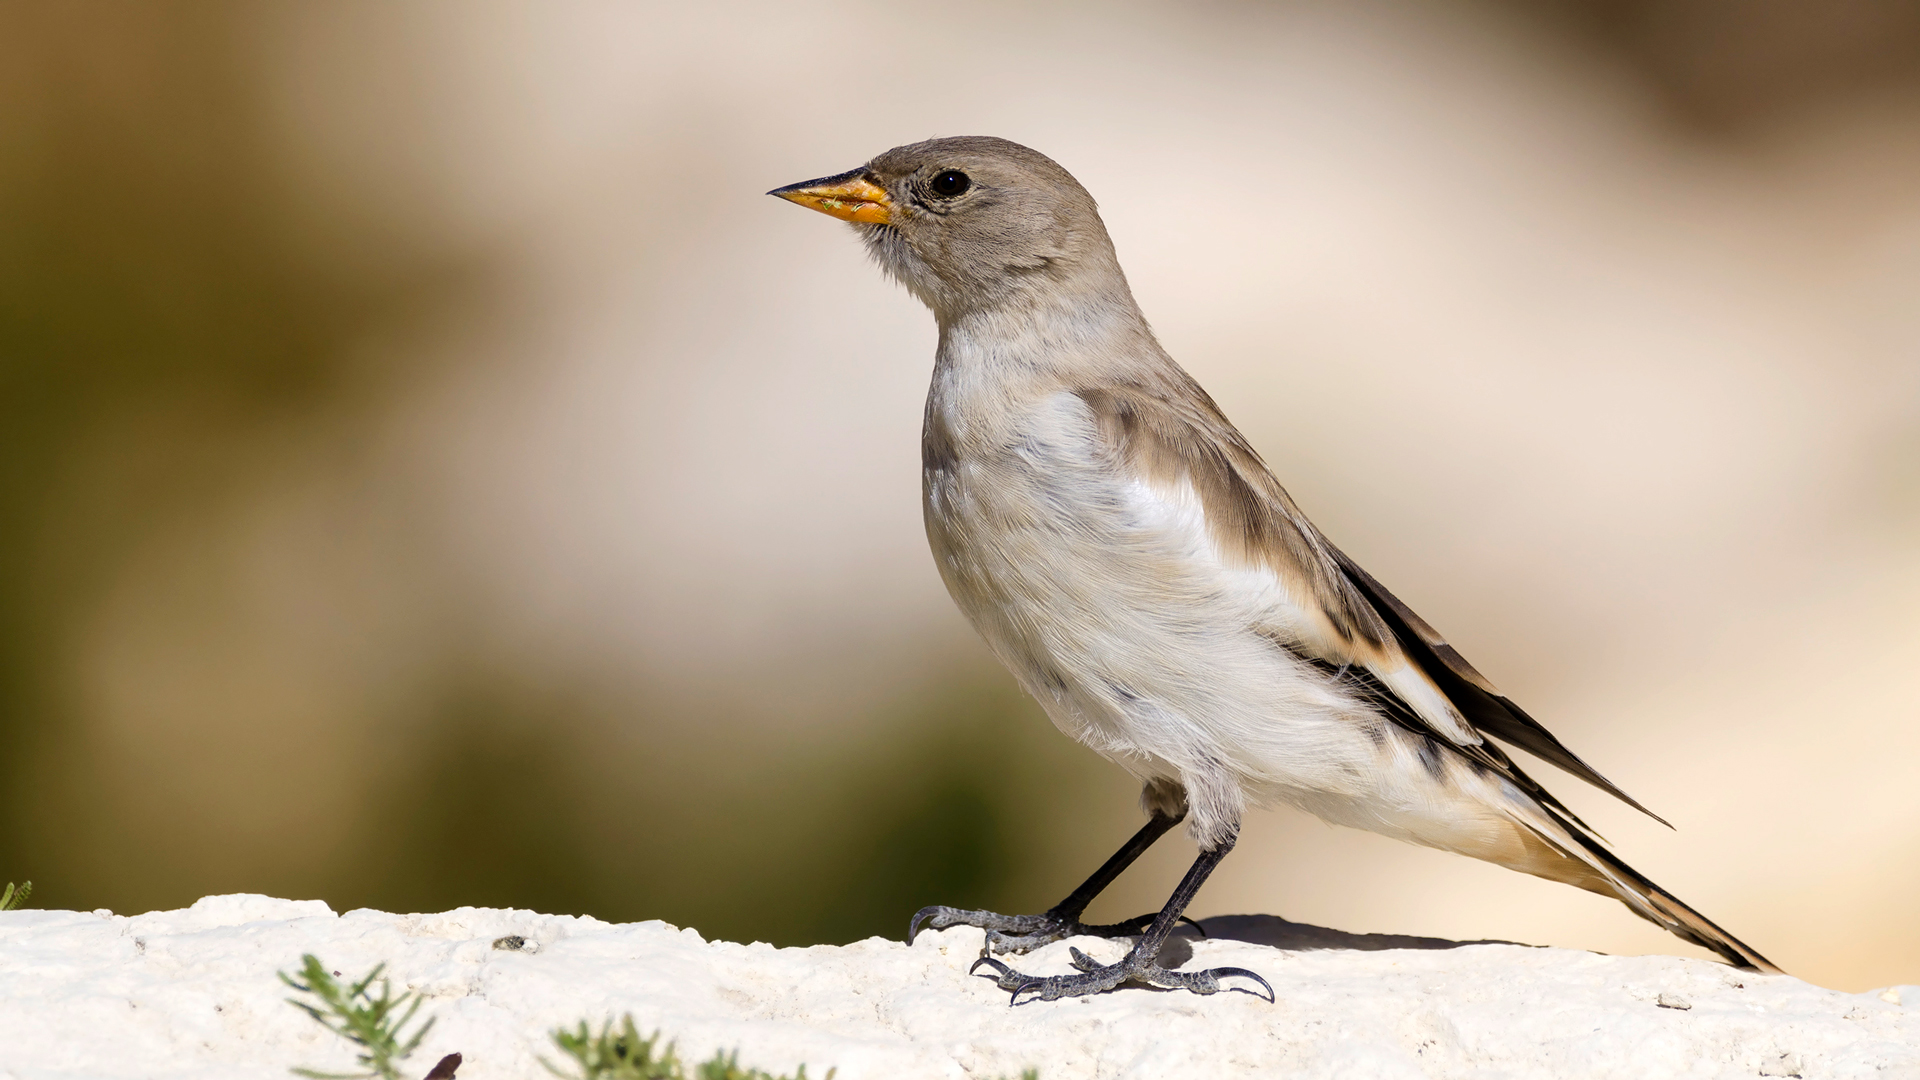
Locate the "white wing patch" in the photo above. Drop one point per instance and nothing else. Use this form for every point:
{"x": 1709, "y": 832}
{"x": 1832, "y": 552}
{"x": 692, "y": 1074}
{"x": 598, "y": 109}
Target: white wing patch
{"x": 1271, "y": 606}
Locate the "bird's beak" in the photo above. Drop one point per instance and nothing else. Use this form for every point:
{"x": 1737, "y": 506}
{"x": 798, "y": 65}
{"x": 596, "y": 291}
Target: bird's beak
{"x": 849, "y": 197}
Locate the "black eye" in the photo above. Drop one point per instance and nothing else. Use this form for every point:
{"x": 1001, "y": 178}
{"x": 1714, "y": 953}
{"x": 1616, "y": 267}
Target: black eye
{"x": 951, "y": 183}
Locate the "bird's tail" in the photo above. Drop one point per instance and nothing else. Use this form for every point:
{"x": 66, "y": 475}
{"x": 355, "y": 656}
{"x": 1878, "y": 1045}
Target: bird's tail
{"x": 1583, "y": 861}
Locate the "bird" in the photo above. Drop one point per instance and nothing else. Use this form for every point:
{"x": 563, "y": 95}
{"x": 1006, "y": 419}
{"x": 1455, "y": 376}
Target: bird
{"x": 1132, "y": 561}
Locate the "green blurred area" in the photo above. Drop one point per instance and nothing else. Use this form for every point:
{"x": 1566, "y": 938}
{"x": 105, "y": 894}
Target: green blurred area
{"x": 823, "y": 842}
{"x": 155, "y": 330}
{"x": 167, "y": 332}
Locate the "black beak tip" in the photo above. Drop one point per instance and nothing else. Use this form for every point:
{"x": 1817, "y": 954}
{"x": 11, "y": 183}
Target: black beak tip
{"x": 838, "y": 178}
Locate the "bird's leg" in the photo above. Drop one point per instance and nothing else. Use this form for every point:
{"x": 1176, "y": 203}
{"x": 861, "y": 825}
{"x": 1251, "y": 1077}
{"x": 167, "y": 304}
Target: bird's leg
{"x": 1141, "y": 964}
{"x": 1024, "y": 933}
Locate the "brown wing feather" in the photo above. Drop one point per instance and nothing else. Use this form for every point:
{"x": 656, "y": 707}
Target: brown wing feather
{"x": 1176, "y": 432}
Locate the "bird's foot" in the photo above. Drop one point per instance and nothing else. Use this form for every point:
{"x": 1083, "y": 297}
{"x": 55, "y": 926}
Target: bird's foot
{"x": 1025, "y": 933}
{"x": 1095, "y": 978}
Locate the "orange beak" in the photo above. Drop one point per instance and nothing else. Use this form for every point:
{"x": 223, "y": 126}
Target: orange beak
{"x": 849, "y": 197}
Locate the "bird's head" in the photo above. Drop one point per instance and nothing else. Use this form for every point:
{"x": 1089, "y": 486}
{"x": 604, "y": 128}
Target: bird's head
{"x": 972, "y": 223}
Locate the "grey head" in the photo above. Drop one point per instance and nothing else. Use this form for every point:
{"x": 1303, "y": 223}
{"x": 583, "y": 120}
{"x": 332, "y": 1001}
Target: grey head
{"x": 974, "y": 223}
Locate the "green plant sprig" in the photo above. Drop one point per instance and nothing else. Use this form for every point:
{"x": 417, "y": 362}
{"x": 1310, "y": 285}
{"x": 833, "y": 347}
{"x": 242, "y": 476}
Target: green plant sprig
{"x": 13, "y": 898}
{"x": 353, "y": 1013}
{"x": 624, "y": 1054}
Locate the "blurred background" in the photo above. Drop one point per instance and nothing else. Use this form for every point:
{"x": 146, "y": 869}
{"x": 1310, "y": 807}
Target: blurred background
{"x": 432, "y": 473}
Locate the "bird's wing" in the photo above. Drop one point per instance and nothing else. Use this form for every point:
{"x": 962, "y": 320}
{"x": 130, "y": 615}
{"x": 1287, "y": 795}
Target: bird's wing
{"x": 1333, "y": 612}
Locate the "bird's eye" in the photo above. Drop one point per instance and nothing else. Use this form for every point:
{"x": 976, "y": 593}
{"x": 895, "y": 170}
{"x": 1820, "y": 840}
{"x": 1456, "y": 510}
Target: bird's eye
{"x": 950, "y": 184}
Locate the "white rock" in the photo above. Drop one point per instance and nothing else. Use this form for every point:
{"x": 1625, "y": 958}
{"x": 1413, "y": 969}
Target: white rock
{"x": 193, "y": 993}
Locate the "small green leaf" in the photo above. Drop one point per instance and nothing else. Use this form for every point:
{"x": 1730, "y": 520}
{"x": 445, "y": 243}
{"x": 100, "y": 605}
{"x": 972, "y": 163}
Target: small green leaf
{"x": 355, "y": 1014}
{"x": 623, "y": 1054}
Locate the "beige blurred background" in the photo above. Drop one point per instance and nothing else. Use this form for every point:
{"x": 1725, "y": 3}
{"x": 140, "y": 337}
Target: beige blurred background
{"x": 432, "y": 473}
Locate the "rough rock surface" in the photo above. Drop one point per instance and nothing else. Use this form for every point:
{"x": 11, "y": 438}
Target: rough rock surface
{"x": 193, "y": 994}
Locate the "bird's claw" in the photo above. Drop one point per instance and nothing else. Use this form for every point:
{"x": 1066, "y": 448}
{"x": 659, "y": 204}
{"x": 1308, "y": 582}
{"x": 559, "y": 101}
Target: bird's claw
{"x": 1004, "y": 977}
{"x": 1222, "y": 973}
{"x": 1096, "y": 978}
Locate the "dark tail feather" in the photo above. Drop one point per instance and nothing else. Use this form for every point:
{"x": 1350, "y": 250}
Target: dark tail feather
{"x": 1665, "y": 910}
{"x": 1697, "y": 928}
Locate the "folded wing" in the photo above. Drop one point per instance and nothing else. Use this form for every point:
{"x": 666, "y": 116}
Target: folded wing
{"x": 1336, "y": 613}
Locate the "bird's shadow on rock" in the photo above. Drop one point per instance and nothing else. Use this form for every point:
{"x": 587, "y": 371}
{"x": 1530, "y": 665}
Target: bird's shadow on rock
{"x": 1281, "y": 934}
